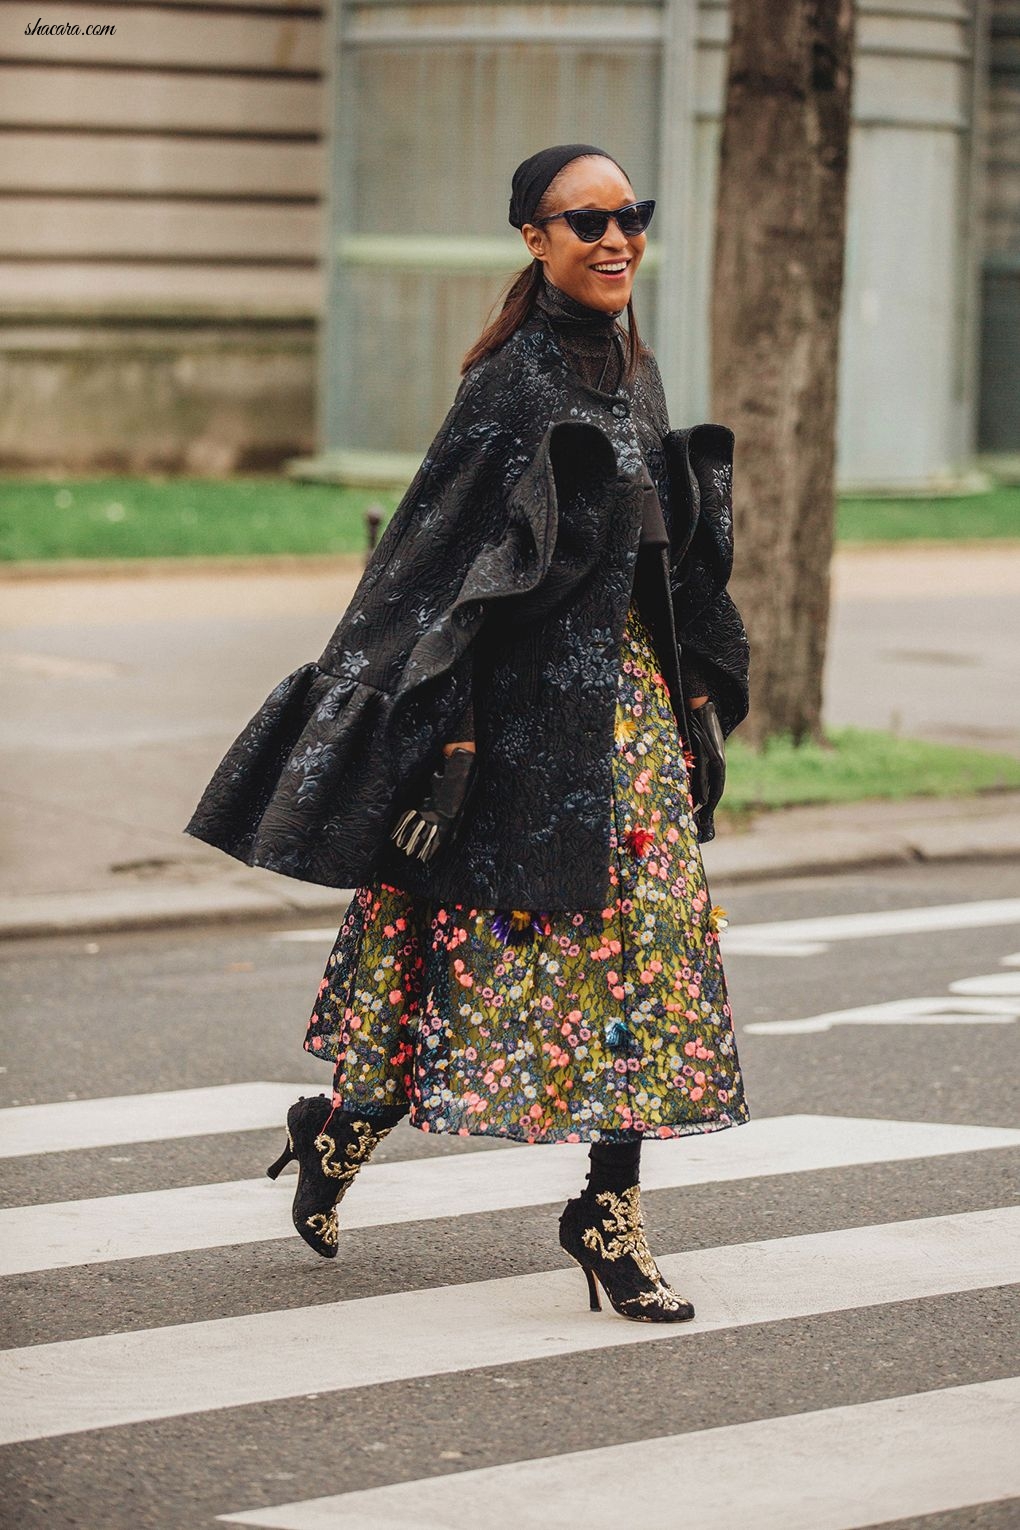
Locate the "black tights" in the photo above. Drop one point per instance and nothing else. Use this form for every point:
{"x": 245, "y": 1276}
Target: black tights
{"x": 613, "y": 1165}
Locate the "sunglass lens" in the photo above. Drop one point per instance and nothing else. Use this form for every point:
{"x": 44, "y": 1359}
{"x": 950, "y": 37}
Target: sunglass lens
{"x": 636, "y": 219}
{"x": 589, "y": 226}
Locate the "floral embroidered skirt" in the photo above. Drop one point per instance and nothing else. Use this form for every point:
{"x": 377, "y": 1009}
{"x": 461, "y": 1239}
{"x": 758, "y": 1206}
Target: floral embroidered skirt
{"x": 550, "y": 1027}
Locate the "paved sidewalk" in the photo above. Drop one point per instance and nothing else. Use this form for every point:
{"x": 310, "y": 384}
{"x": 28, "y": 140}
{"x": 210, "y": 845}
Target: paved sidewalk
{"x": 794, "y": 842}
{"x": 120, "y": 693}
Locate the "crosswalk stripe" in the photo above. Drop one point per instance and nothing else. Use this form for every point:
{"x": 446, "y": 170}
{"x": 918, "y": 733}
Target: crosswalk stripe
{"x": 810, "y": 937}
{"x": 69, "y": 1125}
{"x": 840, "y": 1468}
{"x": 115, "y": 1379}
{"x": 66, "y": 1233}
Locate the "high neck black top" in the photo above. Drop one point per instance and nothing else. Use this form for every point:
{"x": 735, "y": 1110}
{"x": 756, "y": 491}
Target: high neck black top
{"x": 590, "y": 338}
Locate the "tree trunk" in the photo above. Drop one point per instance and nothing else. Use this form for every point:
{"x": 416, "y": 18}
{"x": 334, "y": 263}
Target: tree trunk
{"x": 776, "y": 293}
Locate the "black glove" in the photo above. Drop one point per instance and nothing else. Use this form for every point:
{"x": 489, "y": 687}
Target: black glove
{"x": 708, "y": 777}
{"x": 423, "y": 831}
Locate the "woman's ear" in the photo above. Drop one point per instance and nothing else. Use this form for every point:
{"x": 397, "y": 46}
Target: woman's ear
{"x": 536, "y": 240}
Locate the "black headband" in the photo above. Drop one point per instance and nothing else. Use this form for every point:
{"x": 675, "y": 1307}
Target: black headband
{"x": 533, "y": 175}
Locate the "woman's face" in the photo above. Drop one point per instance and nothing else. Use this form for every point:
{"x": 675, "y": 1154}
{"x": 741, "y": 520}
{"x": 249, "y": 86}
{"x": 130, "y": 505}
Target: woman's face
{"x": 570, "y": 264}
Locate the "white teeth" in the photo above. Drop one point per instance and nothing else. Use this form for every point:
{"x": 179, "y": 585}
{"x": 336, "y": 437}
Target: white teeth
{"x": 620, "y": 265}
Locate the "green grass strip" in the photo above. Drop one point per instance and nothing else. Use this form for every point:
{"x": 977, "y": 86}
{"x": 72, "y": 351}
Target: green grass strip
{"x": 972, "y": 516}
{"x": 856, "y": 765}
{"x": 242, "y": 517}
{"x": 182, "y": 517}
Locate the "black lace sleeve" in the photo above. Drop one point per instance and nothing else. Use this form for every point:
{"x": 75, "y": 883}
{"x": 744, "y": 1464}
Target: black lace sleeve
{"x": 464, "y": 727}
{"x": 695, "y": 677}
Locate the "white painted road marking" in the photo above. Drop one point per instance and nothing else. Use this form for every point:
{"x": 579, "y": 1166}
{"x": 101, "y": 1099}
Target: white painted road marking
{"x": 67, "y": 1233}
{"x": 991, "y": 985}
{"x": 810, "y": 937}
{"x": 944, "y": 1011}
{"x": 63, "y": 1388}
{"x": 70, "y": 1125}
{"x": 836, "y": 1469}
{"x": 993, "y": 999}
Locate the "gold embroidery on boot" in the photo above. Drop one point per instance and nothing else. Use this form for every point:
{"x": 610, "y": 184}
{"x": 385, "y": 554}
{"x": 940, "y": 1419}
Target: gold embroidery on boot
{"x": 327, "y": 1147}
{"x": 626, "y": 1227}
{"x": 325, "y": 1224}
{"x": 366, "y": 1139}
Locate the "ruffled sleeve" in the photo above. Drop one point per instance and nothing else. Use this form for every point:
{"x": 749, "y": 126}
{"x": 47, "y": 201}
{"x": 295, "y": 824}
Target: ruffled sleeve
{"x": 709, "y": 628}
{"x": 310, "y": 787}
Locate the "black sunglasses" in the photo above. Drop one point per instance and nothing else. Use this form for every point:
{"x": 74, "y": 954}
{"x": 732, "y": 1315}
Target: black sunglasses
{"x": 590, "y": 223}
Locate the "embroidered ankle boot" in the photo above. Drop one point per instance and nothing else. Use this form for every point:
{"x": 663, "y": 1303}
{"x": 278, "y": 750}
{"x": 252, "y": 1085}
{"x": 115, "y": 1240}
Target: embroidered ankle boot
{"x": 603, "y": 1230}
{"x": 330, "y": 1147}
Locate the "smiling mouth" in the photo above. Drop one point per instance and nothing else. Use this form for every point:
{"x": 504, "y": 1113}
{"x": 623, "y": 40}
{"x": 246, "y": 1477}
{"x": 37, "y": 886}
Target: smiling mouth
{"x": 621, "y": 268}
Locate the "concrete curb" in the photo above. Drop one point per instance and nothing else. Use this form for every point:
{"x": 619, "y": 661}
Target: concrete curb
{"x": 732, "y": 859}
{"x": 162, "y": 907}
{"x": 838, "y": 851}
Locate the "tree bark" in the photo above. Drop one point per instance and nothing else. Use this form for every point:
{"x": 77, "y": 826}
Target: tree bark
{"x": 776, "y": 295}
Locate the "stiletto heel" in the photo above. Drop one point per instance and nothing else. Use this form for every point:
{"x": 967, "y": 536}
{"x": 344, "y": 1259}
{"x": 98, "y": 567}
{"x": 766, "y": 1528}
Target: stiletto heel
{"x": 594, "y": 1300}
{"x": 284, "y": 1159}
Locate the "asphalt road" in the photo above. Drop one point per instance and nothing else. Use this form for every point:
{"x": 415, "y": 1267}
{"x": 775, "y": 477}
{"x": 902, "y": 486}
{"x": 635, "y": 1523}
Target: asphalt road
{"x": 146, "y": 1387}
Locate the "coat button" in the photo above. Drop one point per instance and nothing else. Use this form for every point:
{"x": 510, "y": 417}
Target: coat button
{"x": 620, "y": 410}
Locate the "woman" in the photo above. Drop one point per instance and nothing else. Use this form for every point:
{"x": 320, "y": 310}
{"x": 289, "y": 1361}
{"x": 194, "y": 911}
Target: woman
{"x": 496, "y": 752}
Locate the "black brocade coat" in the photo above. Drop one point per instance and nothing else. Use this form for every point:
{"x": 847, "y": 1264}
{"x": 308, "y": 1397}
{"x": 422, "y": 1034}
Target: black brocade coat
{"x": 502, "y": 579}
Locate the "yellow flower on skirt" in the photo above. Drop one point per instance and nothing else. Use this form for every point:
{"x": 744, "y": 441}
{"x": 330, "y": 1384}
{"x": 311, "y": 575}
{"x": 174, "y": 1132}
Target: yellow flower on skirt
{"x": 551, "y": 1026}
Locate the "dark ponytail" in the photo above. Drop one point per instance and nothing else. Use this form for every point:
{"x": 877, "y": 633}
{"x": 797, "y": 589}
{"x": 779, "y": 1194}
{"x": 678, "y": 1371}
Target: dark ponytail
{"x": 518, "y": 302}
